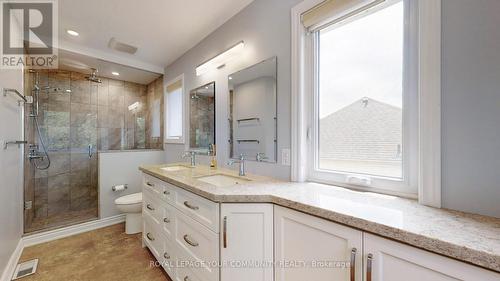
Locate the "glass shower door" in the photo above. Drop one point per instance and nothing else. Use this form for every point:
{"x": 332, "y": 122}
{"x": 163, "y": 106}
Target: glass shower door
{"x": 66, "y": 192}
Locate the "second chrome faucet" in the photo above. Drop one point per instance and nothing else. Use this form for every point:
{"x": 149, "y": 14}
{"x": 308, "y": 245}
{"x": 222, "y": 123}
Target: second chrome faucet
{"x": 192, "y": 155}
{"x": 241, "y": 161}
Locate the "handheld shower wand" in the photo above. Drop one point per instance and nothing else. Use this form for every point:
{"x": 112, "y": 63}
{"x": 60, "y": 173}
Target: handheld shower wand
{"x": 34, "y": 155}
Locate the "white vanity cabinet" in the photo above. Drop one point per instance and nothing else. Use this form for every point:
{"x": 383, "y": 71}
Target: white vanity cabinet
{"x": 247, "y": 237}
{"x": 387, "y": 260}
{"x": 309, "y": 248}
{"x": 300, "y": 237}
{"x": 181, "y": 229}
{"x": 266, "y": 242}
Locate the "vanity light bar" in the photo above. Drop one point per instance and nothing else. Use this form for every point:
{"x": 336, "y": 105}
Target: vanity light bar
{"x": 220, "y": 59}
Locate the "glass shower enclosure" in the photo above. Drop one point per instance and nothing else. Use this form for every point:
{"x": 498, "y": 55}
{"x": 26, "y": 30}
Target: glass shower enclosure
{"x": 73, "y": 117}
{"x": 60, "y": 168}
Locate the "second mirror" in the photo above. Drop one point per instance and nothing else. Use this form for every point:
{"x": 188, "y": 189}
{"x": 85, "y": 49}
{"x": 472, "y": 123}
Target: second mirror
{"x": 252, "y": 119}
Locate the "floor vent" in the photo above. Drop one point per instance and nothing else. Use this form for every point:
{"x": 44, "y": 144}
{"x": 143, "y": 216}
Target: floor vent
{"x": 26, "y": 268}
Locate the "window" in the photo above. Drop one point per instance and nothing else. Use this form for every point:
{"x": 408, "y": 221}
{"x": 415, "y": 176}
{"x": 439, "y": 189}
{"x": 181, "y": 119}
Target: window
{"x": 360, "y": 99}
{"x": 366, "y": 95}
{"x": 174, "y": 110}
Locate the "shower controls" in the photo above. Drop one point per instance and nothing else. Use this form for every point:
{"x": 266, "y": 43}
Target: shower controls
{"x": 33, "y": 152}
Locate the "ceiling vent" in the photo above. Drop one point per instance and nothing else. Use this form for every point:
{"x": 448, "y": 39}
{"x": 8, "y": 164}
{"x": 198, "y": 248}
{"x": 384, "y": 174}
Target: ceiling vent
{"x": 121, "y": 47}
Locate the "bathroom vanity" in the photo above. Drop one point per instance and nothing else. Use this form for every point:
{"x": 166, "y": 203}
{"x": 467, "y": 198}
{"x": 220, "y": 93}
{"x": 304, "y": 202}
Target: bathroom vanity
{"x": 260, "y": 229}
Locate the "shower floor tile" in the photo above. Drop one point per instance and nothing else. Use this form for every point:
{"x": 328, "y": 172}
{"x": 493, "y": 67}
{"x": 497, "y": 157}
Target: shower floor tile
{"x": 55, "y": 221}
{"x": 103, "y": 254}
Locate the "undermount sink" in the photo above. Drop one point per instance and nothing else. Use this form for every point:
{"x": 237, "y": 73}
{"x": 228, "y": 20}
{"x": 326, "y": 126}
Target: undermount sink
{"x": 223, "y": 180}
{"x": 175, "y": 168}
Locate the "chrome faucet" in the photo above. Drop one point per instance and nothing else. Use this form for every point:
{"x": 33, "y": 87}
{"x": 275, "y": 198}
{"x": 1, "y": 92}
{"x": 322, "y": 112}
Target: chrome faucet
{"x": 241, "y": 161}
{"x": 192, "y": 155}
{"x": 261, "y": 156}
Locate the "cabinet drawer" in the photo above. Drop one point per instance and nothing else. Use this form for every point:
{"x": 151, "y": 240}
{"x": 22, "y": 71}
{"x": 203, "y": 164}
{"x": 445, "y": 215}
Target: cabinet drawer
{"x": 169, "y": 257}
{"x": 200, "y": 209}
{"x": 197, "y": 243}
{"x": 186, "y": 274}
{"x": 152, "y": 184}
{"x": 153, "y": 208}
{"x": 168, "y": 221}
{"x": 152, "y": 238}
{"x": 158, "y": 189}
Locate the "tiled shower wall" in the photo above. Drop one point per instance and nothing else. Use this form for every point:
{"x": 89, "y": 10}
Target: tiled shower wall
{"x": 154, "y": 114}
{"x": 92, "y": 114}
{"x": 201, "y": 122}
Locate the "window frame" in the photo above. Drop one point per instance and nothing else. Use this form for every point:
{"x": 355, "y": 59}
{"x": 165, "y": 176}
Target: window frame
{"x": 425, "y": 176}
{"x": 180, "y": 140}
{"x": 407, "y": 186}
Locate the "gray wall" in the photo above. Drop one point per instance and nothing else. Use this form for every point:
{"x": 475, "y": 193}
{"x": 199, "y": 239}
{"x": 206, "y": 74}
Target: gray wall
{"x": 121, "y": 167}
{"x": 471, "y": 92}
{"x": 11, "y": 184}
{"x": 471, "y": 106}
{"x": 265, "y": 27}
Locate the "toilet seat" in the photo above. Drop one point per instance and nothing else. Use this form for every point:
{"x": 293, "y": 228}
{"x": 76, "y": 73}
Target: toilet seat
{"x": 134, "y": 198}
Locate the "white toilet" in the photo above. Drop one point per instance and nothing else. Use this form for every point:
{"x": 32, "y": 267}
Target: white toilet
{"x": 131, "y": 205}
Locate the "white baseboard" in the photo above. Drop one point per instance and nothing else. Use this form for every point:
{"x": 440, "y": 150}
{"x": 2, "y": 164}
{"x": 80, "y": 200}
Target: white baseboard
{"x": 43, "y": 237}
{"x": 11, "y": 265}
{"x": 51, "y": 235}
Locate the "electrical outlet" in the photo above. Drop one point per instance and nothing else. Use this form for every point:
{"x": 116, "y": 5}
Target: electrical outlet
{"x": 285, "y": 157}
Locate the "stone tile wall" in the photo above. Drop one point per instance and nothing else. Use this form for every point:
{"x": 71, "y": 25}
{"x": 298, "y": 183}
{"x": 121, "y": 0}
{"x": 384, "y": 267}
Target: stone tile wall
{"x": 92, "y": 114}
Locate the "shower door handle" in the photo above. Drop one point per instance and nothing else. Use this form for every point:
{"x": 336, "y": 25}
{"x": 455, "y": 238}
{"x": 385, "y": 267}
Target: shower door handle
{"x": 90, "y": 151}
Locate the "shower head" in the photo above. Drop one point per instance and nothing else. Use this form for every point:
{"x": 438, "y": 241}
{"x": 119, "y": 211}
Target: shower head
{"x": 93, "y": 76}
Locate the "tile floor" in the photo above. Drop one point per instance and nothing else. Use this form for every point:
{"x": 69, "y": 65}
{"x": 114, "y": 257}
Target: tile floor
{"x": 105, "y": 254}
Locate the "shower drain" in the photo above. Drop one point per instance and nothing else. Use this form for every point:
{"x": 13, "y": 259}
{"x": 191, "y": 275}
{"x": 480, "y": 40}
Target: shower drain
{"x": 26, "y": 268}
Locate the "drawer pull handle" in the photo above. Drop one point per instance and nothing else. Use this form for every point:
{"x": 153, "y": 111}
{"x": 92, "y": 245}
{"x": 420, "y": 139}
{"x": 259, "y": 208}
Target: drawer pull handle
{"x": 151, "y": 238}
{"x": 166, "y": 220}
{"x": 353, "y": 264}
{"x": 149, "y": 207}
{"x": 149, "y": 184}
{"x": 224, "y": 233}
{"x": 166, "y": 192}
{"x": 186, "y": 278}
{"x": 166, "y": 256}
{"x": 369, "y": 262}
{"x": 190, "y": 242}
{"x": 186, "y": 203}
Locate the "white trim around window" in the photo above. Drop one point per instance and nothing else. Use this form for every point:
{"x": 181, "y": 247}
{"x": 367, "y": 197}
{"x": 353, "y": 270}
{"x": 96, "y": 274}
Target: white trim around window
{"x": 181, "y": 139}
{"x": 426, "y": 161}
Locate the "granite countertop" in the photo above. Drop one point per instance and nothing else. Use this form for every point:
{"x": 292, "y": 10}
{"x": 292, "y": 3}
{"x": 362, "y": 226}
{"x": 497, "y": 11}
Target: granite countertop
{"x": 467, "y": 237}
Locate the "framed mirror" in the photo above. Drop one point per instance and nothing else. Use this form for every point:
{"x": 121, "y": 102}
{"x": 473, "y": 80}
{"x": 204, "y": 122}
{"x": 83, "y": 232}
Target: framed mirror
{"x": 252, "y": 117}
{"x": 202, "y": 118}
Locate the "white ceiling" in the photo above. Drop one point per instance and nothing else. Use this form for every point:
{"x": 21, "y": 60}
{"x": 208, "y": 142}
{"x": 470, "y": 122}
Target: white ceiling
{"x": 83, "y": 64}
{"x": 163, "y": 30}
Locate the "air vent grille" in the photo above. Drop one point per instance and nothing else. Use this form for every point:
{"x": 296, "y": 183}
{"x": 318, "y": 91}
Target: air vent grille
{"x": 121, "y": 47}
{"x": 26, "y": 268}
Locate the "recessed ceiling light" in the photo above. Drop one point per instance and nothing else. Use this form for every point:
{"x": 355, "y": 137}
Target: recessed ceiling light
{"x": 72, "y": 32}
{"x": 230, "y": 78}
{"x": 115, "y": 73}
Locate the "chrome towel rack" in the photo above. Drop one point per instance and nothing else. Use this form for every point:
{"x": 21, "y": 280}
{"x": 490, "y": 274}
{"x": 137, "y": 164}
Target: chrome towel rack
{"x": 14, "y": 91}
{"x": 240, "y": 141}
